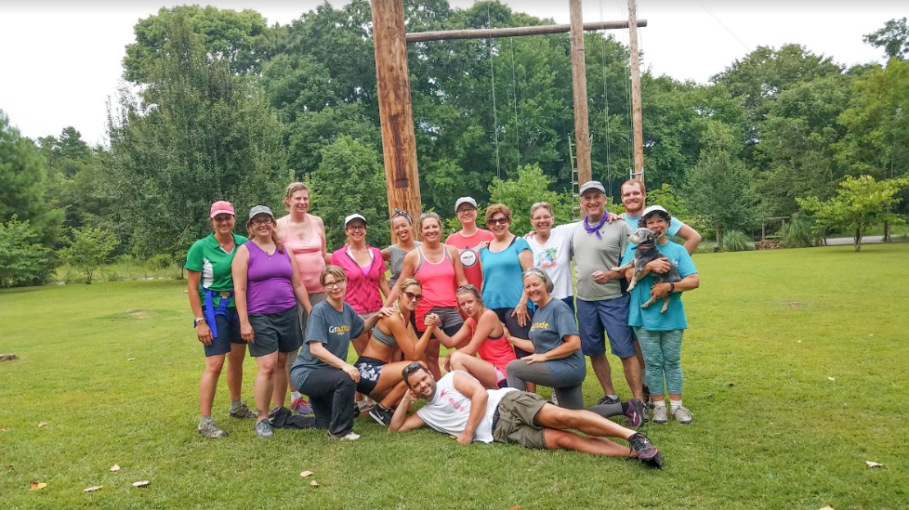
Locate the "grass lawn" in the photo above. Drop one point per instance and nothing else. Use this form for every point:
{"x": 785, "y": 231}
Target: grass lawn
{"x": 794, "y": 370}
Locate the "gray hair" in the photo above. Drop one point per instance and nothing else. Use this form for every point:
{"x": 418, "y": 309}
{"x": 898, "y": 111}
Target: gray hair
{"x": 535, "y": 271}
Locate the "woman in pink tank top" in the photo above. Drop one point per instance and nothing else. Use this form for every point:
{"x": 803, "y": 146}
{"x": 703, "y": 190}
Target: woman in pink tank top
{"x": 482, "y": 334}
{"x": 438, "y": 267}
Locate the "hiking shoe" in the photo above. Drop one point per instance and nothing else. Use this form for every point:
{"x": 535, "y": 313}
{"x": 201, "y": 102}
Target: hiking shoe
{"x": 301, "y": 406}
{"x": 609, "y": 400}
{"x": 365, "y": 405}
{"x": 381, "y": 415}
{"x": 645, "y": 393}
{"x": 660, "y": 415}
{"x": 264, "y": 428}
{"x": 645, "y": 451}
{"x": 682, "y": 415}
{"x": 349, "y": 437}
{"x": 648, "y": 409}
{"x": 211, "y": 431}
{"x": 242, "y": 411}
{"x": 635, "y": 413}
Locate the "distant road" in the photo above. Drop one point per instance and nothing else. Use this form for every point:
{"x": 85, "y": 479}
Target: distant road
{"x": 840, "y": 241}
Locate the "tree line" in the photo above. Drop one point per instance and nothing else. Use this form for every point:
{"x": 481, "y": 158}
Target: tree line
{"x": 217, "y": 104}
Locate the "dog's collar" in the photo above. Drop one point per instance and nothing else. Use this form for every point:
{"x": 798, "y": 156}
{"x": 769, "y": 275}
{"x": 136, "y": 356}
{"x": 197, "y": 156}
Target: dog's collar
{"x": 644, "y": 246}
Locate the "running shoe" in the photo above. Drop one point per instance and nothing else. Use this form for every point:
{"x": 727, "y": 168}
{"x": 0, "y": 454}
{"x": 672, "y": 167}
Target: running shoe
{"x": 645, "y": 451}
{"x": 349, "y": 437}
{"x": 264, "y": 428}
{"x": 660, "y": 415}
{"x": 242, "y": 411}
{"x": 301, "y": 406}
{"x": 211, "y": 431}
{"x": 381, "y": 415}
{"x": 682, "y": 415}
{"x": 635, "y": 413}
{"x": 609, "y": 400}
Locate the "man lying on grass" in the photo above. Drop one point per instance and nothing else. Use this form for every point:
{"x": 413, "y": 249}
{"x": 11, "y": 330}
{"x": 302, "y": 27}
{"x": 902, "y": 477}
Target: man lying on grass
{"x": 460, "y": 406}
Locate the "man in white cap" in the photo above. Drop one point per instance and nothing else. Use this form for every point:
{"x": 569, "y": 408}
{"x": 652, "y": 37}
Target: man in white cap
{"x": 602, "y": 308}
{"x": 468, "y": 238}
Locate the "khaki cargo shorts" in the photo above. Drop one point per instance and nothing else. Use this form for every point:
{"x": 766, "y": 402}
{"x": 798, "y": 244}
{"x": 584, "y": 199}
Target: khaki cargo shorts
{"x": 515, "y": 424}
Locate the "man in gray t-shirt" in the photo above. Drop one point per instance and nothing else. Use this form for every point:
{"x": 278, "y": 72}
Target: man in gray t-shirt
{"x": 602, "y": 308}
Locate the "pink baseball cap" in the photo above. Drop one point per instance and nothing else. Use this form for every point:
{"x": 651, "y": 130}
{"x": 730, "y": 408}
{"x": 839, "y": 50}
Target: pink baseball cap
{"x": 222, "y": 207}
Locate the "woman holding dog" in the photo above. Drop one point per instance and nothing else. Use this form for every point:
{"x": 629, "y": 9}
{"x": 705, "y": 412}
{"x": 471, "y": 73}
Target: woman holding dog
{"x": 660, "y": 334}
{"x": 211, "y": 297}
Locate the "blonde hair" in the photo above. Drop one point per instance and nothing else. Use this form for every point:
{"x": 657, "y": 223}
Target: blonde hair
{"x": 428, "y": 215}
{"x": 498, "y": 208}
{"x": 291, "y": 189}
{"x": 335, "y": 271}
{"x": 541, "y": 205}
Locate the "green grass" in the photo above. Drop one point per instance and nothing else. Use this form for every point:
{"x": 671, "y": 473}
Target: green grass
{"x": 771, "y": 430}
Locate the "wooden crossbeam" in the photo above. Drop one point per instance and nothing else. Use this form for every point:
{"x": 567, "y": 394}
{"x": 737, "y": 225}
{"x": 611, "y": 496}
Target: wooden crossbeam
{"x": 483, "y": 33}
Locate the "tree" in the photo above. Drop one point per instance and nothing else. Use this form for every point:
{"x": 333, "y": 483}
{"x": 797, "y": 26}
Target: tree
{"x": 894, "y": 38}
{"x": 527, "y": 188}
{"x": 23, "y": 180}
{"x": 23, "y": 260}
{"x": 72, "y": 183}
{"x": 350, "y": 180}
{"x": 90, "y": 249}
{"x": 860, "y": 202}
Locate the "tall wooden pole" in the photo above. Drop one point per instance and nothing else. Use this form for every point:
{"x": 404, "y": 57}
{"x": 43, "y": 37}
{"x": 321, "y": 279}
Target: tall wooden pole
{"x": 579, "y": 80}
{"x": 636, "y": 115}
{"x": 395, "y": 108}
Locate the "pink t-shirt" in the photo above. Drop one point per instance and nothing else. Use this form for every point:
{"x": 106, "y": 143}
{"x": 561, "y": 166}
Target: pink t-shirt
{"x": 362, "y": 282}
{"x": 470, "y": 255}
{"x": 308, "y": 253}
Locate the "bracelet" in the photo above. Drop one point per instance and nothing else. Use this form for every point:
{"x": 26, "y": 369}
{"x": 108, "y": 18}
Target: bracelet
{"x": 671, "y": 287}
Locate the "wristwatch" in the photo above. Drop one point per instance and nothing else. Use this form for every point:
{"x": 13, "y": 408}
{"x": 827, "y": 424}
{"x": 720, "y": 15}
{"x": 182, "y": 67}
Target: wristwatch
{"x": 197, "y": 320}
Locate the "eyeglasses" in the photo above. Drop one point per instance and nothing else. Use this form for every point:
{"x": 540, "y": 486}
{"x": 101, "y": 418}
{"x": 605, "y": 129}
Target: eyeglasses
{"x": 356, "y": 227}
{"x": 413, "y": 297}
{"x": 334, "y": 285}
{"x": 465, "y": 209}
{"x": 221, "y": 218}
{"x": 497, "y": 221}
{"x": 261, "y": 221}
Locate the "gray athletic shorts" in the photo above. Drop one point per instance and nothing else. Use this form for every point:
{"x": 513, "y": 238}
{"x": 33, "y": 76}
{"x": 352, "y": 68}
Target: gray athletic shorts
{"x": 275, "y": 332}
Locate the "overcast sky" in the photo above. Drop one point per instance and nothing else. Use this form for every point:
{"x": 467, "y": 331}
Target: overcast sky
{"x": 61, "y": 61}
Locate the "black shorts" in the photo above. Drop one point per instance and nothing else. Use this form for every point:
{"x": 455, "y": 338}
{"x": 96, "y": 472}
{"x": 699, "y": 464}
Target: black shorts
{"x": 370, "y": 370}
{"x": 511, "y": 323}
{"x": 228, "y": 333}
{"x": 275, "y": 332}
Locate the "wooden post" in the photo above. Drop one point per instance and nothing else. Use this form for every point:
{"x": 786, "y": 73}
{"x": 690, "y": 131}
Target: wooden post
{"x": 636, "y": 115}
{"x": 485, "y": 33}
{"x": 579, "y": 81}
{"x": 399, "y": 146}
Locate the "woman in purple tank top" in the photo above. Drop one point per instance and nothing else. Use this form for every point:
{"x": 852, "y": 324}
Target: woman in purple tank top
{"x": 267, "y": 288}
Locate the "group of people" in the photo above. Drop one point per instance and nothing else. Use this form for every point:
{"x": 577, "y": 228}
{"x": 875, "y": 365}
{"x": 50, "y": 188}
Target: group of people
{"x": 502, "y": 303}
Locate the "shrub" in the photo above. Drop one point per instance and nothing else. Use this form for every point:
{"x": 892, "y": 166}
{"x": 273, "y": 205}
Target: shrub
{"x": 736, "y": 240}
{"x": 159, "y": 262}
{"x": 797, "y": 233}
{"x": 22, "y": 260}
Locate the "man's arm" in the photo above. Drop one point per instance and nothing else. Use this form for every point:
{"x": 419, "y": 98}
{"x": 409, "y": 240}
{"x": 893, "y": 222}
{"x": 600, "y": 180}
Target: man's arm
{"x": 472, "y": 389}
{"x": 691, "y": 237}
{"x": 400, "y": 422}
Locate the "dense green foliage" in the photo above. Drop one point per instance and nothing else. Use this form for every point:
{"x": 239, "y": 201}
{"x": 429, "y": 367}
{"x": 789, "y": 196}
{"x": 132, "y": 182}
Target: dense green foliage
{"x": 219, "y": 105}
{"x": 90, "y": 249}
{"x": 23, "y": 260}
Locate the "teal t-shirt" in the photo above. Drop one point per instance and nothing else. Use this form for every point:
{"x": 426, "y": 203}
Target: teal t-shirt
{"x": 207, "y": 257}
{"x": 650, "y": 318}
{"x": 551, "y": 324}
{"x": 502, "y": 275}
{"x": 330, "y": 327}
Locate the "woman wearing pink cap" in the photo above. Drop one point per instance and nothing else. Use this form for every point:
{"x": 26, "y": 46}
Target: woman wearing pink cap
{"x": 211, "y": 297}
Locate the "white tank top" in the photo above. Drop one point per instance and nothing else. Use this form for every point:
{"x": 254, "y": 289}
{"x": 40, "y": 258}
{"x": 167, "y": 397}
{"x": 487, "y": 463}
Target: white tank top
{"x": 449, "y": 409}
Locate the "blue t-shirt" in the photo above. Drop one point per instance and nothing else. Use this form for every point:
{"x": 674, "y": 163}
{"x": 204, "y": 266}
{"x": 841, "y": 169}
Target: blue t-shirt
{"x": 327, "y": 326}
{"x": 650, "y": 318}
{"x": 502, "y": 275}
{"x": 551, "y": 324}
{"x": 674, "y": 224}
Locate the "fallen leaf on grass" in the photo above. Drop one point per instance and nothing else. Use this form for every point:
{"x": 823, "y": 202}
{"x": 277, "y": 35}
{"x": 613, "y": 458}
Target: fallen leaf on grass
{"x": 304, "y": 474}
{"x": 42, "y": 424}
{"x": 798, "y": 341}
{"x": 515, "y": 508}
{"x": 130, "y": 359}
{"x": 143, "y": 483}
{"x": 114, "y": 468}
{"x": 93, "y": 488}
{"x": 5, "y": 429}
{"x": 314, "y": 483}
{"x": 873, "y": 464}
{"x": 37, "y": 486}
{"x": 827, "y": 508}
{"x": 831, "y": 378}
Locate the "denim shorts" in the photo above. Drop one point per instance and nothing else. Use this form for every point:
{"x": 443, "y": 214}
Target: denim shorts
{"x": 596, "y": 319}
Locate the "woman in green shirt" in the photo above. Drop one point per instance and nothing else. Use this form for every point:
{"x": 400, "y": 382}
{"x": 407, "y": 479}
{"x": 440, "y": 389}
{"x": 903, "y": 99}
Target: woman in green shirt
{"x": 211, "y": 297}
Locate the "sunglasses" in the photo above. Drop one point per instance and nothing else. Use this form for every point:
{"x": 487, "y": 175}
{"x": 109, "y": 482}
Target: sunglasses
{"x": 469, "y": 286}
{"x": 413, "y": 297}
{"x": 497, "y": 221}
{"x": 334, "y": 285}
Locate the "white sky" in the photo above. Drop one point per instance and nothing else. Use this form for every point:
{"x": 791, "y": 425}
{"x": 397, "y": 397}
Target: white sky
{"x": 61, "y": 61}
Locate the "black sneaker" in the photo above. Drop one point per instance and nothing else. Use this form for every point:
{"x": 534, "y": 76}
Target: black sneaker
{"x": 645, "y": 451}
{"x": 381, "y": 415}
{"x": 609, "y": 400}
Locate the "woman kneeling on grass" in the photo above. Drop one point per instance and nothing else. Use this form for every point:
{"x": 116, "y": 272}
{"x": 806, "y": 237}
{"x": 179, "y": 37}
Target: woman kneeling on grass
{"x": 660, "y": 334}
{"x": 482, "y": 334}
{"x": 217, "y": 325}
{"x": 381, "y": 379}
{"x": 268, "y": 288}
{"x": 321, "y": 370}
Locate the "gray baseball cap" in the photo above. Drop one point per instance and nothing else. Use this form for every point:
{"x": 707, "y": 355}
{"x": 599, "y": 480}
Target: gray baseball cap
{"x": 260, "y": 209}
{"x": 589, "y": 185}
{"x": 465, "y": 200}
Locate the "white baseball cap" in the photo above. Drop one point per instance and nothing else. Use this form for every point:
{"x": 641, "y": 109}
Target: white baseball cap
{"x": 465, "y": 200}
{"x": 355, "y": 216}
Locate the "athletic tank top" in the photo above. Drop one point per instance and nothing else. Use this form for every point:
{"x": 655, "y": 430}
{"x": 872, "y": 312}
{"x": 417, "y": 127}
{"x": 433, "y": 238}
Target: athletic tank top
{"x": 494, "y": 350}
{"x": 396, "y": 261}
{"x": 438, "y": 279}
{"x": 269, "y": 287}
{"x": 448, "y": 410}
{"x": 307, "y": 253}
{"x": 362, "y": 282}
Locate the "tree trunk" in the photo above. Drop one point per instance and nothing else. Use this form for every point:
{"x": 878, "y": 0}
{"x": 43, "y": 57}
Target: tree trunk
{"x": 857, "y": 239}
{"x": 886, "y": 231}
{"x": 719, "y": 238}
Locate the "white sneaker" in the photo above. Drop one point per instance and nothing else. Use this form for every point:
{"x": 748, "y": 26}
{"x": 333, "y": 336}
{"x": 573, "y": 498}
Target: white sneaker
{"x": 349, "y": 437}
{"x": 682, "y": 415}
{"x": 660, "y": 416}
